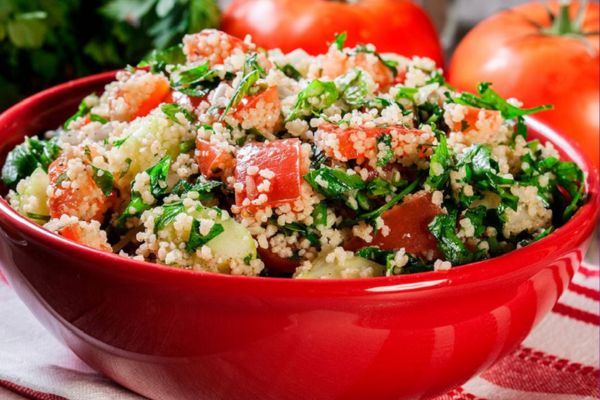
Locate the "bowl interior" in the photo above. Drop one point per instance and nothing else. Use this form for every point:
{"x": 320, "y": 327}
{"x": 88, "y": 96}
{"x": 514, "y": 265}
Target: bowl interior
{"x": 48, "y": 109}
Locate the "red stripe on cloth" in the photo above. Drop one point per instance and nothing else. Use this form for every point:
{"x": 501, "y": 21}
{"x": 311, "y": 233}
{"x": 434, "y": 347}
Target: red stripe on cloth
{"x": 576, "y": 314}
{"x": 534, "y": 371}
{"x": 459, "y": 394}
{"x": 590, "y": 293}
{"x": 588, "y": 272}
{"x": 27, "y": 392}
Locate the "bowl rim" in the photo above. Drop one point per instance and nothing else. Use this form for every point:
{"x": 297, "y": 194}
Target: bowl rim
{"x": 493, "y": 267}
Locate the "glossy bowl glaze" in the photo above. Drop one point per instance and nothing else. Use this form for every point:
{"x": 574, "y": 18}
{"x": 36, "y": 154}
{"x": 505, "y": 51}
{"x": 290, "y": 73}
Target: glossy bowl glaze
{"x": 174, "y": 334}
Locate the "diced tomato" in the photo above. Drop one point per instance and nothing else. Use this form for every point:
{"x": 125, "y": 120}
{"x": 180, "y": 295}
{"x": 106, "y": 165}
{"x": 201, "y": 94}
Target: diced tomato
{"x": 74, "y": 232}
{"x": 355, "y": 143}
{"x": 211, "y": 44}
{"x": 214, "y": 161}
{"x": 279, "y": 163}
{"x": 472, "y": 116}
{"x": 277, "y": 264}
{"x": 401, "y": 77}
{"x": 335, "y": 63}
{"x": 86, "y": 201}
{"x": 158, "y": 95}
{"x": 408, "y": 228}
{"x": 264, "y": 107}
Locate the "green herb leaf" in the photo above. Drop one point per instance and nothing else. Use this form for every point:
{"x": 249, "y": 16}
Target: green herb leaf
{"x": 439, "y": 165}
{"x": 290, "y": 71}
{"x": 308, "y": 232}
{"x": 383, "y": 257}
{"x": 26, "y": 157}
{"x": 483, "y": 172}
{"x": 372, "y": 215}
{"x": 476, "y": 216}
{"x": 196, "y": 239}
{"x": 170, "y": 211}
{"x": 38, "y": 217}
{"x": 320, "y": 214}
{"x": 158, "y": 60}
{"x": 388, "y": 153}
{"x": 407, "y": 93}
{"x": 241, "y": 91}
{"x": 187, "y": 146}
{"x": 315, "y": 98}
{"x": 333, "y": 183}
{"x": 104, "y": 180}
{"x": 378, "y": 187}
{"x": 252, "y": 64}
{"x": 171, "y": 111}
{"x": 202, "y": 186}
{"x": 196, "y": 81}
{"x": 134, "y": 208}
{"x": 355, "y": 91}
{"x": 570, "y": 176}
{"x": 98, "y": 118}
{"x": 490, "y": 100}
{"x": 443, "y": 228}
{"x": 82, "y": 110}
{"x": 340, "y": 39}
{"x": 119, "y": 142}
{"x": 389, "y": 64}
{"x": 158, "y": 177}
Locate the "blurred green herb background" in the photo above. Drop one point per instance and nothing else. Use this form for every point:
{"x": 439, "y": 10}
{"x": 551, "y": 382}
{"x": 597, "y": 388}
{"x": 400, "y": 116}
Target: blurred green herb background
{"x": 44, "y": 42}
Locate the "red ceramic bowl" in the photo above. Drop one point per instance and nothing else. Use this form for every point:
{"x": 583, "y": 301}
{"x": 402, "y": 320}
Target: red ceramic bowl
{"x": 174, "y": 334}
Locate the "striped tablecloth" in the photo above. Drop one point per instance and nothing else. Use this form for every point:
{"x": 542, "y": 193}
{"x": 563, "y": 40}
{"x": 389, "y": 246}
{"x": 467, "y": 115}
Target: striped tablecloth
{"x": 559, "y": 360}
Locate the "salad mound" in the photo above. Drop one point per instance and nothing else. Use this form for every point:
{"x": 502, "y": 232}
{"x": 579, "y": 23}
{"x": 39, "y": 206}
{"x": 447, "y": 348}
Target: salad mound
{"x": 218, "y": 156}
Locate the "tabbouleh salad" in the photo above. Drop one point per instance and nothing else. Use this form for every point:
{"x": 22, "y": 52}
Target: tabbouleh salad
{"x": 218, "y": 156}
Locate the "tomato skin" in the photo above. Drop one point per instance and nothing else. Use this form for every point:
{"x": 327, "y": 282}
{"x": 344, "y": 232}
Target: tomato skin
{"x": 270, "y": 112}
{"x": 86, "y": 202}
{"x": 397, "y": 26}
{"x": 211, "y": 44}
{"x": 471, "y": 116}
{"x": 213, "y": 161}
{"x": 283, "y": 159}
{"x": 161, "y": 91}
{"x": 345, "y": 138}
{"x": 408, "y": 228}
{"x": 510, "y": 52}
{"x": 336, "y": 63}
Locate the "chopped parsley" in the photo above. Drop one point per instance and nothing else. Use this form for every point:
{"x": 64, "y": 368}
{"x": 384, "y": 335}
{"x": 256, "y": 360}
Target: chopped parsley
{"x": 443, "y": 228}
{"x": 290, "y": 71}
{"x": 334, "y": 183}
{"x": 26, "y": 157}
{"x": 196, "y": 81}
{"x": 171, "y": 111}
{"x": 169, "y": 212}
{"x": 340, "y": 39}
{"x": 355, "y": 90}
{"x": 104, "y": 180}
{"x": 315, "y": 98}
{"x": 387, "y": 153}
{"x": 196, "y": 239}
{"x": 158, "y": 60}
{"x": 439, "y": 165}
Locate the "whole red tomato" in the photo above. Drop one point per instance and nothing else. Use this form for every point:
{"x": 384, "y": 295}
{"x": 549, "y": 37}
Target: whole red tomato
{"x": 539, "y": 59}
{"x": 397, "y": 26}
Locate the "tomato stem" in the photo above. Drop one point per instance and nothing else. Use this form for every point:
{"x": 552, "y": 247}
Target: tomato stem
{"x": 562, "y": 24}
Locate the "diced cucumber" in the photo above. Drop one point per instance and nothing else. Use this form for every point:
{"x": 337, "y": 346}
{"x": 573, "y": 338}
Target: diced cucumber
{"x": 31, "y": 197}
{"x": 235, "y": 242}
{"x": 353, "y": 267}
